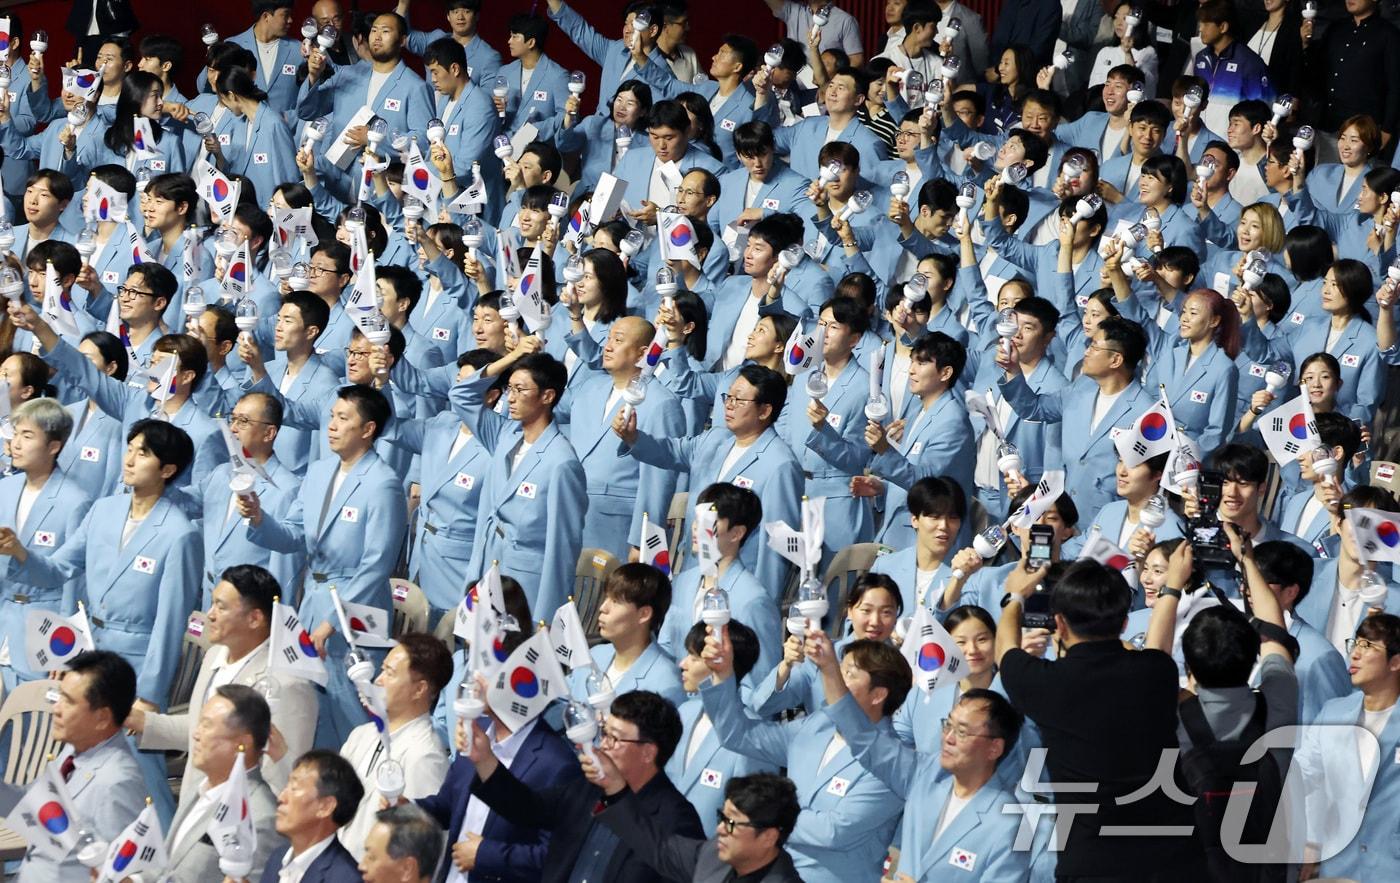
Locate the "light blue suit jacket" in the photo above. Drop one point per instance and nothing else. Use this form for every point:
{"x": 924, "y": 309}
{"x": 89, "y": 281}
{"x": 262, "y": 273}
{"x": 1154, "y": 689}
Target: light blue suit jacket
{"x": 1316, "y": 608}
{"x": 704, "y": 778}
{"x": 278, "y": 81}
{"x": 653, "y": 670}
{"x": 226, "y": 541}
{"x": 609, "y": 54}
{"x": 1089, "y": 457}
{"x": 1203, "y": 396}
{"x": 268, "y": 158}
{"x": 1318, "y": 528}
{"x": 138, "y": 595}
{"x": 848, "y": 815}
{"x": 549, "y": 89}
{"x": 978, "y": 840}
{"x": 784, "y": 191}
{"x": 1358, "y": 357}
{"x": 768, "y": 468}
{"x": 404, "y": 101}
{"x": 93, "y": 454}
{"x": 803, "y": 142}
{"x": 294, "y": 446}
{"x": 636, "y": 167}
{"x": 530, "y": 518}
{"x": 749, "y": 603}
{"x": 53, "y": 519}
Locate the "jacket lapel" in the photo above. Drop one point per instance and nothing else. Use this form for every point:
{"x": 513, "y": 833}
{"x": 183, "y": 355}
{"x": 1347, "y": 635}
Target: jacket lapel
{"x": 147, "y": 530}
{"x": 347, "y": 488}
{"x": 1112, "y": 418}
{"x": 454, "y": 464}
{"x": 960, "y": 827}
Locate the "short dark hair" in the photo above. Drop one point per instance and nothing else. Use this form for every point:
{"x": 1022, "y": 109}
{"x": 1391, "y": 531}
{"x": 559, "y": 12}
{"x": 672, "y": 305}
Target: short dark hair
{"x": 175, "y": 187}
{"x": 168, "y": 49}
{"x": 1129, "y": 337}
{"x": 741, "y": 638}
{"x": 1039, "y": 309}
{"x": 548, "y": 156}
{"x": 887, "y": 668}
{"x": 250, "y": 715}
{"x": 255, "y": 585}
{"x": 1093, "y": 599}
{"x": 371, "y": 404}
{"x": 1338, "y": 430}
{"x": 336, "y": 778}
{"x": 779, "y": 230}
{"x": 190, "y": 352}
{"x": 869, "y": 581}
{"x": 1171, "y": 171}
{"x": 943, "y": 351}
{"x": 746, "y": 49}
{"x": 429, "y": 659}
{"x": 754, "y": 138}
{"x": 111, "y": 682}
{"x": 1383, "y": 628}
{"x": 668, "y": 114}
{"x": 739, "y": 506}
{"x": 547, "y": 372}
{"x": 313, "y": 310}
{"x": 1285, "y": 564}
{"x": 107, "y": 345}
{"x": 412, "y": 833}
{"x": 63, "y": 255}
{"x": 656, "y": 719}
{"x": 59, "y": 184}
{"x": 641, "y": 585}
{"x": 1003, "y": 719}
{"x": 770, "y": 387}
{"x": 768, "y": 799}
{"x": 406, "y": 284}
{"x": 162, "y": 282}
{"x": 1220, "y": 647}
{"x": 1037, "y": 151}
{"x": 1254, "y": 112}
{"x": 937, "y": 495}
{"x": 167, "y": 442}
{"x": 1238, "y": 462}
{"x": 849, "y": 312}
{"x": 445, "y": 52}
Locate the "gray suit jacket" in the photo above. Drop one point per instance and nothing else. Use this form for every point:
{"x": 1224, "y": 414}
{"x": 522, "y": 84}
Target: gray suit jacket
{"x": 107, "y": 792}
{"x": 294, "y": 717}
{"x": 675, "y": 857}
{"x": 194, "y": 860}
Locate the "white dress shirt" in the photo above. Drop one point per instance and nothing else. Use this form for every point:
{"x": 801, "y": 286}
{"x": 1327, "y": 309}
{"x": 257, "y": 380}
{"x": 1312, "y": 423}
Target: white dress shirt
{"x": 474, "y": 822}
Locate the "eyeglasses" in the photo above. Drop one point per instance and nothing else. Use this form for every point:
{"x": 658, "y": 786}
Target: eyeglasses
{"x": 1363, "y": 645}
{"x": 315, "y": 271}
{"x": 612, "y": 739}
{"x": 726, "y": 398}
{"x": 688, "y": 193}
{"x": 351, "y": 353}
{"x": 962, "y": 732}
{"x": 1095, "y": 345}
{"x": 126, "y": 293}
{"x": 521, "y": 391}
{"x": 905, "y": 133}
{"x": 238, "y": 421}
{"x": 728, "y": 825}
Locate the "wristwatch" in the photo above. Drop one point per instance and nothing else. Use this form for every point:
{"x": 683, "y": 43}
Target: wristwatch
{"x": 1169, "y": 593}
{"x": 1009, "y": 597}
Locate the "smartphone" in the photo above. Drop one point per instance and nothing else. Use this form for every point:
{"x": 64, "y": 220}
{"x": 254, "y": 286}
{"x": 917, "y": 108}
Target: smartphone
{"x": 1209, "y": 544}
{"x": 1042, "y": 545}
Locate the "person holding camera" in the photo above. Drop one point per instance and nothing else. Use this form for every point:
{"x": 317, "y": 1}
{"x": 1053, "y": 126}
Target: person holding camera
{"x": 1106, "y": 715}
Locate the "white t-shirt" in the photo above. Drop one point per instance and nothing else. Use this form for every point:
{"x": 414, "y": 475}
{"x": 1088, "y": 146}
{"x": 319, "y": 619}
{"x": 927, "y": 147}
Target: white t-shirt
{"x": 739, "y": 342}
{"x": 736, "y": 453}
{"x": 1103, "y": 403}
{"x": 27, "y": 496}
{"x": 464, "y": 435}
{"x": 267, "y": 58}
{"x": 698, "y": 732}
{"x": 376, "y": 82}
{"x": 1375, "y": 723}
{"x": 950, "y": 812}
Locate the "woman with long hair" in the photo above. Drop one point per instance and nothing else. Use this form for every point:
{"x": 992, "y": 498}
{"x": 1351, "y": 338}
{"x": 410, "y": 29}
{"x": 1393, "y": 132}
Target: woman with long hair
{"x": 1346, "y": 332}
{"x": 135, "y": 140}
{"x": 1199, "y": 371}
{"x": 1016, "y": 70}
{"x": 260, "y": 146}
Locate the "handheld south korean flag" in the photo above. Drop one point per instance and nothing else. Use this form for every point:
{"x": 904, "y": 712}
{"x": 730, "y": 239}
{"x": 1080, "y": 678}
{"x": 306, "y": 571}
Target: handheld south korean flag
{"x": 231, "y": 827}
{"x": 421, "y": 182}
{"x": 138, "y": 848}
{"x": 488, "y": 648}
{"x": 1101, "y": 549}
{"x": 653, "y": 547}
{"x": 1052, "y": 484}
{"x": 369, "y": 626}
{"x": 803, "y": 350}
{"x": 487, "y": 591}
{"x": 931, "y": 652}
{"x": 1153, "y": 433}
{"x": 292, "y": 651}
{"x": 81, "y": 82}
{"x": 568, "y": 637}
{"x": 651, "y": 357}
{"x": 1290, "y": 429}
{"x": 104, "y": 204}
{"x": 58, "y": 304}
{"x": 45, "y": 816}
{"x": 1377, "y": 534}
{"x": 530, "y": 298}
{"x": 676, "y": 237}
{"x": 707, "y": 539}
{"x": 220, "y": 193}
{"x": 51, "y": 640}
{"x": 143, "y": 138}
{"x": 473, "y": 199}
{"x": 530, "y": 679}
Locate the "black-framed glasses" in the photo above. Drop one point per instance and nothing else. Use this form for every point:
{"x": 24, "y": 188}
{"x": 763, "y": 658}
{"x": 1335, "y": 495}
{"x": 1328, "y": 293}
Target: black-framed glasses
{"x": 610, "y": 738}
{"x": 728, "y": 825}
{"x": 314, "y": 271}
{"x": 351, "y": 353}
{"x": 726, "y": 398}
{"x": 126, "y": 292}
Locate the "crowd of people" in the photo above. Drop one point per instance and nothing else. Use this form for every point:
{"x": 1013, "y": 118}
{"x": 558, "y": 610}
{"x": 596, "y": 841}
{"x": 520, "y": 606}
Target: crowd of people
{"x": 976, "y": 431}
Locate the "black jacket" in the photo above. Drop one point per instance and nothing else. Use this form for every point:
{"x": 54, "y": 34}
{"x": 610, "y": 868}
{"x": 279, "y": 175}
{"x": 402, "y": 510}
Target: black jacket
{"x": 567, "y": 812}
{"x": 335, "y": 865}
{"x": 113, "y": 17}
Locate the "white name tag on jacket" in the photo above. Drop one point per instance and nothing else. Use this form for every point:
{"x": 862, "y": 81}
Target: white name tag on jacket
{"x": 350, "y": 513}
{"x": 142, "y": 564}
{"x": 90, "y": 455}
{"x": 961, "y": 858}
{"x": 527, "y": 490}
{"x": 44, "y": 538}
{"x": 837, "y": 786}
{"x": 392, "y": 103}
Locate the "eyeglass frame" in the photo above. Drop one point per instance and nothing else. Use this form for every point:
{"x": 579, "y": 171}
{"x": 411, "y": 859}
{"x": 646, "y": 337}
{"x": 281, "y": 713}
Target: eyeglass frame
{"x": 1352, "y": 644}
{"x": 725, "y": 398}
{"x": 725, "y": 823}
{"x": 947, "y": 726}
{"x": 125, "y": 291}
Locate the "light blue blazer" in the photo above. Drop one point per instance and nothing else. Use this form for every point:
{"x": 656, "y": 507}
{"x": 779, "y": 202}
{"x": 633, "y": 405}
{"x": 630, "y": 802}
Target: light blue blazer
{"x": 803, "y": 142}
{"x": 653, "y": 670}
{"x": 1038, "y": 441}
{"x": 1089, "y": 456}
{"x": 445, "y": 527}
{"x": 138, "y": 595}
{"x": 620, "y": 488}
{"x": 704, "y": 778}
{"x": 549, "y": 89}
{"x": 52, "y": 521}
{"x": 267, "y": 158}
{"x": 279, "y": 81}
{"x": 1322, "y": 671}
{"x": 611, "y": 55}
{"x": 1316, "y": 608}
{"x": 295, "y": 446}
{"x": 1325, "y": 181}
{"x": 94, "y": 152}
{"x": 1318, "y": 528}
{"x": 1330, "y": 763}
{"x": 902, "y": 567}
{"x": 803, "y": 688}
{"x": 848, "y": 815}
{"x": 470, "y": 133}
{"x": 594, "y": 139}
{"x": 1203, "y": 396}
{"x": 749, "y": 603}
{"x": 530, "y": 518}
{"x": 784, "y": 191}
{"x": 404, "y": 101}
{"x": 226, "y": 540}
{"x": 483, "y": 60}
{"x": 981, "y": 835}
{"x": 1358, "y": 357}
{"x": 93, "y": 454}
{"x": 636, "y": 167}
{"x": 768, "y": 468}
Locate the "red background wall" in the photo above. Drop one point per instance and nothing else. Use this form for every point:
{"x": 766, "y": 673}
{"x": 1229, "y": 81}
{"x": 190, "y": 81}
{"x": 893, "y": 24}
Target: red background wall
{"x": 710, "y": 20}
